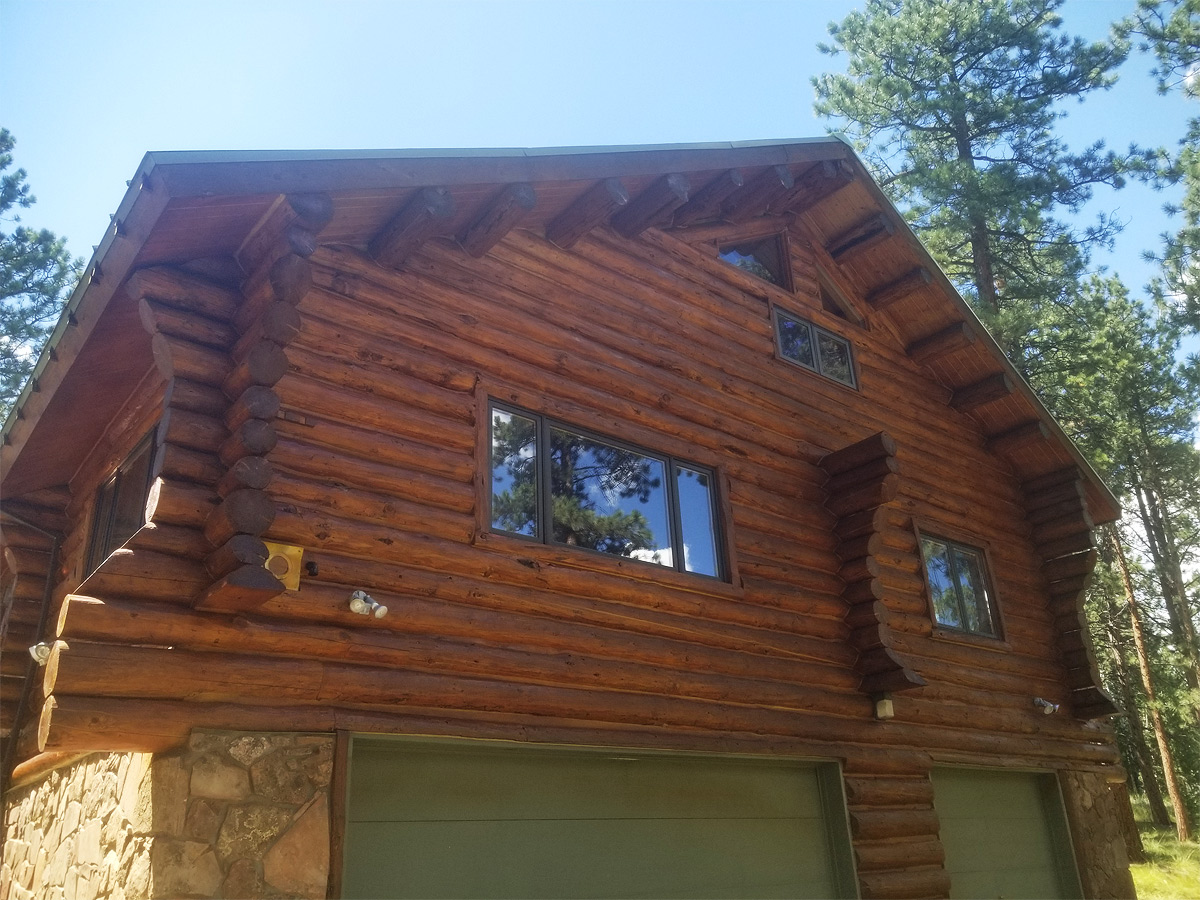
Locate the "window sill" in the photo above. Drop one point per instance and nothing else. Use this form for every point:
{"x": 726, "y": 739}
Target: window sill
{"x": 538, "y": 555}
{"x": 971, "y": 640}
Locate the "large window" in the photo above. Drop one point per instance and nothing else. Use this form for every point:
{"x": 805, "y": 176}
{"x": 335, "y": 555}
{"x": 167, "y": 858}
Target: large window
{"x": 958, "y": 587}
{"x": 558, "y": 484}
{"x": 121, "y": 504}
{"x": 814, "y": 348}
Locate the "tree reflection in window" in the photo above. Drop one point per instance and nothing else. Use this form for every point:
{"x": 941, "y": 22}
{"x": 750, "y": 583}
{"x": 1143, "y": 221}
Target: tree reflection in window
{"x": 561, "y": 486}
{"x": 958, "y": 586}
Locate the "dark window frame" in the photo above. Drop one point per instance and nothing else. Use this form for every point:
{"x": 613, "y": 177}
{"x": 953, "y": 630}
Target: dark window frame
{"x": 817, "y": 332}
{"x": 994, "y": 618}
{"x": 782, "y": 250}
{"x": 671, "y": 466}
{"x": 104, "y": 537}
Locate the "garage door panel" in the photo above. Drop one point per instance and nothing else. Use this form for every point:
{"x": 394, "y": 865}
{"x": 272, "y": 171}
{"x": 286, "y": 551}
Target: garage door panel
{"x": 1004, "y": 834}
{"x": 459, "y": 819}
{"x": 622, "y": 858}
{"x": 436, "y": 783}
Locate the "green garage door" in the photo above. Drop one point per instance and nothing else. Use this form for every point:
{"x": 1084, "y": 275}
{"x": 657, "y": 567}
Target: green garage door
{"x": 1004, "y": 833}
{"x": 459, "y": 819}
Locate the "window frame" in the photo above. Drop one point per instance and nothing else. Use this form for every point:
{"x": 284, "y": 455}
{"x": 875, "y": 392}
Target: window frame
{"x": 783, "y": 248}
{"x": 997, "y": 636}
{"x": 817, "y": 332}
{"x": 543, "y": 424}
{"x": 101, "y": 537}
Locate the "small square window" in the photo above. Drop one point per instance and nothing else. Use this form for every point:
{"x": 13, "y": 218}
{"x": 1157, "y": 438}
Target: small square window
{"x": 121, "y": 504}
{"x": 763, "y": 257}
{"x": 814, "y": 348}
{"x": 959, "y": 589}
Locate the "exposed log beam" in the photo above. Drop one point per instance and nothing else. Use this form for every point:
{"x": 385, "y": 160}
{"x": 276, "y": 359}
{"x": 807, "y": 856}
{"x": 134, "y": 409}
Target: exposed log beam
{"x": 244, "y": 588}
{"x": 426, "y": 214}
{"x": 1019, "y": 436}
{"x": 706, "y": 202}
{"x": 895, "y": 291}
{"x": 589, "y": 210}
{"x": 758, "y": 194}
{"x": 861, "y": 236}
{"x": 972, "y": 396}
{"x": 941, "y": 343}
{"x": 504, "y": 213}
{"x": 817, "y": 183}
{"x": 653, "y": 206}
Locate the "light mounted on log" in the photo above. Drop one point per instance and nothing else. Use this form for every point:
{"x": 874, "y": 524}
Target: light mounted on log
{"x": 365, "y": 605}
{"x": 1045, "y": 706}
{"x": 884, "y": 708}
{"x": 40, "y": 653}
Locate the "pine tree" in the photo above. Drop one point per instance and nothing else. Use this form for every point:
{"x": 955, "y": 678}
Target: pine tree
{"x": 953, "y": 103}
{"x": 1171, "y": 30}
{"x": 36, "y": 274}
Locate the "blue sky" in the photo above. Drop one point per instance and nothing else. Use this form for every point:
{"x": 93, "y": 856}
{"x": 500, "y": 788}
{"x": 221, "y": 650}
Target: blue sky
{"x": 88, "y": 87}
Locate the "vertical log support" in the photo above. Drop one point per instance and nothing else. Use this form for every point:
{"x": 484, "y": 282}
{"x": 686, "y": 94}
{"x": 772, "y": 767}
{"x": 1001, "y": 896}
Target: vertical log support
{"x": 276, "y": 258}
{"x": 1061, "y": 529}
{"x": 863, "y": 480}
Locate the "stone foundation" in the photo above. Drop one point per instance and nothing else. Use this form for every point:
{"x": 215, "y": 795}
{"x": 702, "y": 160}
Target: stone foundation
{"x": 231, "y": 815}
{"x": 1095, "y": 823}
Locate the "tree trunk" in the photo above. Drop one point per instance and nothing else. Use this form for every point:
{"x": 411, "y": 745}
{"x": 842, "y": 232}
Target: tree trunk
{"x": 1182, "y": 824}
{"x": 1165, "y": 554}
{"x": 1137, "y": 733}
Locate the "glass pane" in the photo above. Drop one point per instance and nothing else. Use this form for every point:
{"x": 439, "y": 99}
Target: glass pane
{"x": 514, "y": 473}
{"x": 102, "y": 524}
{"x": 835, "y": 358}
{"x": 976, "y": 606}
{"x": 697, "y": 513}
{"x": 759, "y": 258}
{"x": 941, "y": 583}
{"x": 795, "y": 340}
{"x": 609, "y": 499}
{"x": 131, "y": 497}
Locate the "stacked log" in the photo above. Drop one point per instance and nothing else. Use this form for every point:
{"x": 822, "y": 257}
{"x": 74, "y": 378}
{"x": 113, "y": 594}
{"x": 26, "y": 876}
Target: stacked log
{"x": 863, "y": 480}
{"x": 894, "y": 829}
{"x": 26, "y": 558}
{"x": 1061, "y": 529}
{"x": 264, "y": 324}
{"x": 188, "y": 318}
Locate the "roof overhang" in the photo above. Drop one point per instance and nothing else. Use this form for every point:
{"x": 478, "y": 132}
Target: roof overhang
{"x": 183, "y": 206}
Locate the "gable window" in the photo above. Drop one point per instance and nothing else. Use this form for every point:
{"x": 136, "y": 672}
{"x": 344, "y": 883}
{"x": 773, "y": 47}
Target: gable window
{"x": 959, "y": 588}
{"x": 814, "y": 348}
{"x": 763, "y": 257}
{"x": 121, "y": 504}
{"x": 561, "y": 485}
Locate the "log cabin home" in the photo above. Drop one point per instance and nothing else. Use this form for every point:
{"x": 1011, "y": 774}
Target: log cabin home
{"x": 605, "y": 522}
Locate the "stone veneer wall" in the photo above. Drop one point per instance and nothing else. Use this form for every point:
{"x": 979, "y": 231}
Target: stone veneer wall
{"x": 231, "y": 815}
{"x": 1096, "y": 832}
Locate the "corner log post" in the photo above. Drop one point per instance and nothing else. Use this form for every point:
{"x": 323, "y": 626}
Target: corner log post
{"x": 190, "y": 322}
{"x": 275, "y": 256}
{"x": 1061, "y": 530}
{"x": 863, "y": 480}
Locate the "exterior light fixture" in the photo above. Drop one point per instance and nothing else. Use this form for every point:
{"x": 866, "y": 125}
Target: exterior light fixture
{"x": 365, "y": 605}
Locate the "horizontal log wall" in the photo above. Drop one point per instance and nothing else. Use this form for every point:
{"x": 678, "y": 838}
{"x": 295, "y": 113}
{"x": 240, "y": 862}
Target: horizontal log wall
{"x": 379, "y": 467}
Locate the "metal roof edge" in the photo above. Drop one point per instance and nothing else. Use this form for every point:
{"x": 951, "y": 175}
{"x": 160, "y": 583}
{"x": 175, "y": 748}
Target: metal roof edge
{"x": 95, "y": 264}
